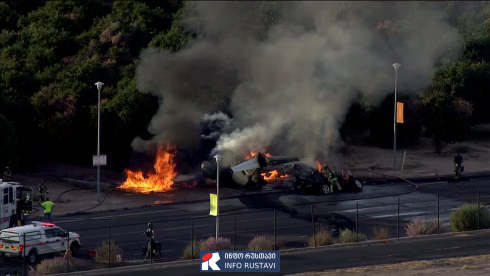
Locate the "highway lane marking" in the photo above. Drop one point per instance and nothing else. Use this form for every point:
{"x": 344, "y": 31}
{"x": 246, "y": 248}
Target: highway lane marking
{"x": 401, "y": 214}
{"x": 123, "y": 215}
{"x": 212, "y": 234}
{"x": 183, "y": 227}
{"x": 365, "y": 209}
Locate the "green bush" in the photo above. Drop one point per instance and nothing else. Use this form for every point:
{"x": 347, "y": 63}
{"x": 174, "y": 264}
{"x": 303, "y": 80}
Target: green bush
{"x": 323, "y": 237}
{"x": 107, "y": 252}
{"x": 466, "y": 218}
{"x": 348, "y": 236}
{"x": 52, "y": 266}
{"x": 191, "y": 251}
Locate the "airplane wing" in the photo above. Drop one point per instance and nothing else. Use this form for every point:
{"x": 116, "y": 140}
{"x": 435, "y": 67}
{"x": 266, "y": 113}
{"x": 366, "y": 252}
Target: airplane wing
{"x": 252, "y": 163}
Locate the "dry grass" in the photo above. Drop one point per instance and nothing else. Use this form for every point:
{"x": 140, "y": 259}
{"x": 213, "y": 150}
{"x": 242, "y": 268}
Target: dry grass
{"x": 323, "y": 237}
{"x": 191, "y": 251}
{"x": 473, "y": 265}
{"x": 380, "y": 233}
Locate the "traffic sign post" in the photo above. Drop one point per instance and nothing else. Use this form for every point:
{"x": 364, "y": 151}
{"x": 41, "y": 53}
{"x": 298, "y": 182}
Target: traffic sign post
{"x": 99, "y": 160}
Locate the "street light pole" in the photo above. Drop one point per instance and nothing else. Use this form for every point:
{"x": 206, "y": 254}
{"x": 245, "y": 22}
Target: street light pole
{"x": 218, "y": 158}
{"x": 396, "y": 66}
{"x": 99, "y": 87}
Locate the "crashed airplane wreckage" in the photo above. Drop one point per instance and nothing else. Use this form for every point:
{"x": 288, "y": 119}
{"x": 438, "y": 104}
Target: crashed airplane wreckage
{"x": 246, "y": 174}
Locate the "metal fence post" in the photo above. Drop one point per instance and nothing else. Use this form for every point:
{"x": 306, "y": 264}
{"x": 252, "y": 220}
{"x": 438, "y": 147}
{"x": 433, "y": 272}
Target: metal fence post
{"x": 357, "y": 221}
{"x": 234, "y": 233}
{"x": 438, "y": 215}
{"x": 67, "y": 252}
{"x": 192, "y": 238}
{"x": 478, "y": 215}
{"x": 109, "y": 237}
{"x": 24, "y": 257}
{"x": 313, "y": 225}
{"x": 398, "y": 220}
{"x": 151, "y": 249}
{"x": 275, "y": 234}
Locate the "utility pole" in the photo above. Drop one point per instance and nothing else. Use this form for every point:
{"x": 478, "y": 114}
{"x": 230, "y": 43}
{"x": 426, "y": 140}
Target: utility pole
{"x": 396, "y": 66}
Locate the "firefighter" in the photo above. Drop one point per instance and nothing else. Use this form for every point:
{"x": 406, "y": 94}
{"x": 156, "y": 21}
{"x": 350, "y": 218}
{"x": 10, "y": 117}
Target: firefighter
{"x": 150, "y": 240}
{"x": 458, "y": 165}
{"x": 43, "y": 190}
{"x": 7, "y": 174}
{"x": 332, "y": 177}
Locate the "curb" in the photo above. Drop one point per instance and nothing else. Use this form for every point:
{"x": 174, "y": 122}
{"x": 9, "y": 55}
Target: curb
{"x": 285, "y": 252}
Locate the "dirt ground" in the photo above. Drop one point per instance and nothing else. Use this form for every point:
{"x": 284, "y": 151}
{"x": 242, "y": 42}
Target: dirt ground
{"x": 466, "y": 266}
{"x": 421, "y": 160}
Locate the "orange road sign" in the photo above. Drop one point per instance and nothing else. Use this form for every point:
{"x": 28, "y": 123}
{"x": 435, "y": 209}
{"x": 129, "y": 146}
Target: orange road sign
{"x": 399, "y": 112}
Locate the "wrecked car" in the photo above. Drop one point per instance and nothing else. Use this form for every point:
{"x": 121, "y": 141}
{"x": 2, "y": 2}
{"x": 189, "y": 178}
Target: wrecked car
{"x": 308, "y": 179}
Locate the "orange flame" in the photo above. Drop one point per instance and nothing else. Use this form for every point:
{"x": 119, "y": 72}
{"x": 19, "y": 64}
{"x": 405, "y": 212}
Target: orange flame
{"x": 253, "y": 153}
{"x": 273, "y": 175}
{"x": 159, "y": 181}
{"x": 318, "y": 165}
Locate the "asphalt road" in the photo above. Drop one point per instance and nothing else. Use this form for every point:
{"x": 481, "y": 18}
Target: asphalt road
{"x": 174, "y": 226}
{"x": 427, "y": 248}
{"x": 294, "y": 231}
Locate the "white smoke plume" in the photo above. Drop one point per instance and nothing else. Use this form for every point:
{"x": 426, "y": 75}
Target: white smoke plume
{"x": 290, "y": 69}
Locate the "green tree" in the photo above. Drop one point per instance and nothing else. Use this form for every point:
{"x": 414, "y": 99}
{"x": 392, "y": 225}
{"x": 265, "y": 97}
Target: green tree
{"x": 447, "y": 118}
{"x": 8, "y": 144}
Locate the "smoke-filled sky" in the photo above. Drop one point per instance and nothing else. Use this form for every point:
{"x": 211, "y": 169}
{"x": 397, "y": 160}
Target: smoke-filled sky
{"x": 290, "y": 69}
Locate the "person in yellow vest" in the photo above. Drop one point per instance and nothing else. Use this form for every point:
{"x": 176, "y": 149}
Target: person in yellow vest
{"x": 48, "y": 207}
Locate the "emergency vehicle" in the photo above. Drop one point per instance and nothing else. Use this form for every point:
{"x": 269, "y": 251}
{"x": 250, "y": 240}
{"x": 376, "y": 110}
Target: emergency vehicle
{"x": 15, "y": 204}
{"x": 37, "y": 239}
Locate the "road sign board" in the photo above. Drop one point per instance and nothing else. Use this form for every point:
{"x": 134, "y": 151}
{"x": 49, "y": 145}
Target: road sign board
{"x": 213, "y": 204}
{"x": 99, "y": 160}
{"x": 399, "y": 112}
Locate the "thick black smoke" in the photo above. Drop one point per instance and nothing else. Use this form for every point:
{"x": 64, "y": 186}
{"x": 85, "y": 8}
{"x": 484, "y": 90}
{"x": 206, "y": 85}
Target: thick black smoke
{"x": 291, "y": 69}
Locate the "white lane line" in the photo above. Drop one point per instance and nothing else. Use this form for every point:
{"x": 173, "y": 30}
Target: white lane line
{"x": 213, "y": 234}
{"x": 123, "y": 215}
{"x": 180, "y": 228}
{"x": 365, "y": 209}
{"x": 401, "y": 214}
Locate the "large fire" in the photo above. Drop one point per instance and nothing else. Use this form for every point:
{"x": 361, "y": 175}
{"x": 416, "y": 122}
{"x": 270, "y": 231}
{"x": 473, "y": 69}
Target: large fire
{"x": 253, "y": 153}
{"x": 318, "y": 165}
{"x": 273, "y": 175}
{"x": 159, "y": 181}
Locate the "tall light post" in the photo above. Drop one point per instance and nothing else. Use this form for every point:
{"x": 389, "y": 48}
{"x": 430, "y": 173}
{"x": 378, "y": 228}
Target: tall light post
{"x": 396, "y": 66}
{"x": 218, "y": 158}
{"x": 99, "y": 87}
